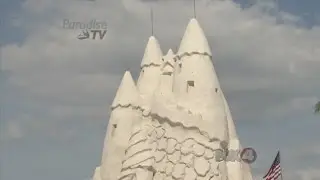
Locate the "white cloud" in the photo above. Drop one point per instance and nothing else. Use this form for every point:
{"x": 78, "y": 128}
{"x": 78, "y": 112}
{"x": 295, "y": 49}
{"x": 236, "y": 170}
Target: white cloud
{"x": 13, "y": 130}
{"x": 309, "y": 174}
{"x": 313, "y": 148}
{"x": 52, "y": 64}
{"x": 303, "y": 102}
{"x": 249, "y": 35}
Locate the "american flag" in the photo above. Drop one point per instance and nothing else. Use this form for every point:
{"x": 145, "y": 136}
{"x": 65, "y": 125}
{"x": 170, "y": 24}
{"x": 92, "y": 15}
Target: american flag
{"x": 275, "y": 171}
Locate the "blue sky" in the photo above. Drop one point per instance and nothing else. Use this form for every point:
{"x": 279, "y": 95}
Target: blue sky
{"x": 56, "y": 90}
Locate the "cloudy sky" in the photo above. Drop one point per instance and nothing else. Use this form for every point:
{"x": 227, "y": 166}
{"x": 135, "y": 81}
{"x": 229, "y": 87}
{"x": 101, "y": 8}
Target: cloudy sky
{"x": 56, "y": 89}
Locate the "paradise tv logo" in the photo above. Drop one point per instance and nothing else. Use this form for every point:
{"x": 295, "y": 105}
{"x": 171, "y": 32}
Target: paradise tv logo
{"x": 90, "y": 30}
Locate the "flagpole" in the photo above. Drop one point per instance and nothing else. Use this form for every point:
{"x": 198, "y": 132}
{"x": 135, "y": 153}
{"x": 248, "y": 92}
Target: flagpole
{"x": 276, "y": 9}
{"x": 194, "y": 8}
{"x": 281, "y": 167}
{"x": 151, "y": 17}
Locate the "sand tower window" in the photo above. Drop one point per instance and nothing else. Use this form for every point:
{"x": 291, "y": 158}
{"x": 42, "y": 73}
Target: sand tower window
{"x": 190, "y": 84}
{"x": 114, "y": 127}
{"x": 180, "y": 67}
{"x": 167, "y": 73}
{"x": 216, "y": 89}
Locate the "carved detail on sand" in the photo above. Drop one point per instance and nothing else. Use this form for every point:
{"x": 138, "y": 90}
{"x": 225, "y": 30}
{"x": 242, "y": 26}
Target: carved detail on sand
{"x": 176, "y": 118}
{"x": 155, "y": 150}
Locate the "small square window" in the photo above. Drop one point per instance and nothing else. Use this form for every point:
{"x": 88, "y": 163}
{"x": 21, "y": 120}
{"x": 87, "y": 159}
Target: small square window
{"x": 179, "y": 69}
{"x": 191, "y": 83}
{"x": 167, "y": 73}
{"x": 114, "y": 127}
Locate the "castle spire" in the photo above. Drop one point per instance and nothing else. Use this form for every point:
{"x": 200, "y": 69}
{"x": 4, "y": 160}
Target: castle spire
{"x": 168, "y": 58}
{"x": 168, "y": 63}
{"x": 170, "y": 52}
{"x": 194, "y": 39}
{"x": 97, "y": 174}
{"x": 231, "y": 126}
{"x": 150, "y": 70}
{"x": 152, "y": 54}
{"x": 194, "y": 65}
{"x": 127, "y": 92}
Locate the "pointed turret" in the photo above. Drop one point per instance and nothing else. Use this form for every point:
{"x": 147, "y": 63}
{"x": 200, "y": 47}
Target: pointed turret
{"x": 127, "y": 92}
{"x": 194, "y": 39}
{"x": 168, "y": 62}
{"x": 195, "y": 78}
{"x": 231, "y": 127}
{"x": 164, "y": 90}
{"x": 234, "y": 167}
{"x": 152, "y": 53}
{"x": 170, "y": 52}
{"x": 97, "y": 174}
{"x": 237, "y": 170}
{"x": 169, "y": 57}
{"x": 123, "y": 117}
{"x": 150, "y": 70}
{"x": 196, "y": 85}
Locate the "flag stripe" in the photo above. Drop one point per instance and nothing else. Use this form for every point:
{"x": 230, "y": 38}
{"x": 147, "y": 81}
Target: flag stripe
{"x": 274, "y": 175}
{"x": 275, "y": 169}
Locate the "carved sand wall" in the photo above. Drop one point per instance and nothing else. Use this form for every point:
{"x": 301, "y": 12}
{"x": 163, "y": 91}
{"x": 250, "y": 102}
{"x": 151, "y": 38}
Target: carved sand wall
{"x": 161, "y": 151}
